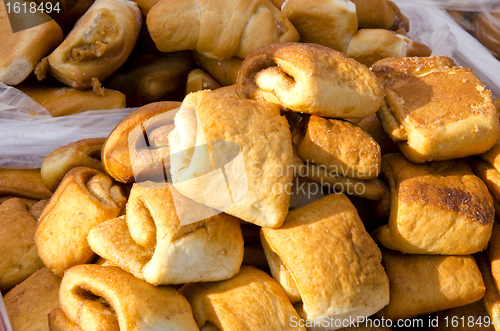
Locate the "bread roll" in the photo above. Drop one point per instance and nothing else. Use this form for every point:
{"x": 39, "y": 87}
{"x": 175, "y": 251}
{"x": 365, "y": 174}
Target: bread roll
{"x": 340, "y": 146}
{"x": 19, "y": 253}
{"x": 491, "y": 298}
{"x": 225, "y": 72}
{"x": 422, "y": 284}
{"x": 250, "y": 301}
{"x": 434, "y": 207}
{"x": 63, "y": 101}
{"x": 84, "y": 153}
{"x": 84, "y": 198}
{"x": 98, "y": 45}
{"x": 370, "y": 45}
{"x": 23, "y": 47}
{"x": 218, "y": 30}
{"x": 331, "y": 23}
{"x": 150, "y": 78}
{"x": 93, "y": 297}
{"x": 126, "y": 154}
{"x": 323, "y": 258}
{"x": 491, "y": 178}
{"x": 29, "y": 303}
{"x": 155, "y": 243}
{"x": 311, "y": 79}
{"x": 199, "y": 80}
{"x": 248, "y": 141}
{"x": 435, "y": 106}
{"x": 374, "y": 14}
{"x": 25, "y": 183}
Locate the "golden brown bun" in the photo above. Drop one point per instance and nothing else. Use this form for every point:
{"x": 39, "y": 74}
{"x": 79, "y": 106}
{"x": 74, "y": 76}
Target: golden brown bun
{"x": 63, "y": 101}
{"x": 153, "y": 242}
{"x": 371, "y": 45}
{"x": 434, "y": 106}
{"x": 225, "y": 72}
{"x": 123, "y": 161}
{"x": 19, "y": 253}
{"x": 21, "y": 51}
{"x": 373, "y": 126}
{"x": 374, "y": 14}
{"x": 310, "y": 78}
{"x": 340, "y": 146}
{"x": 84, "y": 198}
{"x": 434, "y": 206}
{"x": 199, "y": 80}
{"x": 251, "y": 300}
{"x": 331, "y": 23}
{"x": 29, "y": 303}
{"x": 339, "y": 278}
{"x": 422, "y": 284}
{"x": 98, "y": 45}
{"x": 151, "y": 78}
{"x": 82, "y": 153}
{"x": 202, "y": 25}
{"x": 93, "y": 296}
{"x": 256, "y": 151}
{"x": 25, "y": 183}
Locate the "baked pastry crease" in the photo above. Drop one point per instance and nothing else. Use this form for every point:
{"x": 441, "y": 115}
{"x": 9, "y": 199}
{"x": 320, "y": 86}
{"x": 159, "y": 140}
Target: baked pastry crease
{"x": 327, "y": 263}
{"x": 153, "y": 244}
{"x": 94, "y": 297}
{"x": 310, "y": 78}
{"x": 85, "y": 198}
{"x": 436, "y": 208}
{"x": 217, "y": 135}
{"x": 249, "y": 301}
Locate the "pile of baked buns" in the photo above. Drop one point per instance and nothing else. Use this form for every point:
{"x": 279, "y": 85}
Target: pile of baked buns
{"x": 290, "y": 165}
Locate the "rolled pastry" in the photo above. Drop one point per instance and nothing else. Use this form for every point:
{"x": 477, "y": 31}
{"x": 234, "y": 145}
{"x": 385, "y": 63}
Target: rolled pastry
{"x": 199, "y": 80}
{"x": 250, "y": 301}
{"x": 233, "y": 155}
{"x": 218, "y": 30}
{"x": 436, "y": 208}
{"x": 25, "y": 183}
{"x": 29, "y": 303}
{"x": 21, "y": 51}
{"x": 373, "y": 126}
{"x": 225, "y": 72}
{"x": 153, "y": 242}
{"x": 374, "y": 14}
{"x": 152, "y": 78}
{"x": 98, "y": 45}
{"x": 126, "y": 153}
{"x": 82, "y": 153}
{"x": 85, "y": 198}
{"x": 327, "y": 263}
{"x": 423, "y": 284}
{"x": 63, "y": 101}
{"x": 94, "y": 297}
{"x": 19, "y": 254}
{"x": 371, "y": 45}
{"x": 331, "y": 23}
{"x": 311, "y": 79}
{"x": 434, "y": 106}
{"x": 341, "y": 147}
